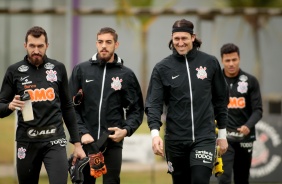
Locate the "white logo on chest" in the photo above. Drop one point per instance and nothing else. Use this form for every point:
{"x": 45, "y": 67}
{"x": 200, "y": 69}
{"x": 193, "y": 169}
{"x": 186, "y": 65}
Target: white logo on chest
{"x": 116, "y": 84}
{"x": 202, "y": 74}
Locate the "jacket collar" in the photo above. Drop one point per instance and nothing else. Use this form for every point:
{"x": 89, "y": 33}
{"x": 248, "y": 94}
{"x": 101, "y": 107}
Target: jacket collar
{"x": 190, "y": 55}
{"x": 117, "y": 60}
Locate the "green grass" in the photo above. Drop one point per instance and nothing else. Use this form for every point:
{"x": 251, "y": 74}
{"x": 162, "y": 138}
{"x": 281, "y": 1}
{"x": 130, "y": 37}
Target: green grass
{"x": 7, "y": 139}
{"x": 144, "y": 177}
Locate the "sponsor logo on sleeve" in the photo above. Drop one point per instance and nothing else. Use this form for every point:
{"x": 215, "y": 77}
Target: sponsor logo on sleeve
{"x": 23, "y": 68}
{"x": 49, "y": 66}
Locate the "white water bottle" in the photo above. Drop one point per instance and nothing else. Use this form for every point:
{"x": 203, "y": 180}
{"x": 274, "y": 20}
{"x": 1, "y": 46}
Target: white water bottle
{"x": 27, "y": 109}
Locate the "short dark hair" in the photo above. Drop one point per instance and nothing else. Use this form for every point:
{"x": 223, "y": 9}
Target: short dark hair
{"x": 105, "y": 30}
{"x": 36, "y": 32}
{"x": 229, "y": 48}
{"x": 185, "y": 26}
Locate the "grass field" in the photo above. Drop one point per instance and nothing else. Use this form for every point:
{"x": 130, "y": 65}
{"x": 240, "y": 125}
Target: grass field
{"x": 146, "y": 177}
{"x": 7, "y": 139}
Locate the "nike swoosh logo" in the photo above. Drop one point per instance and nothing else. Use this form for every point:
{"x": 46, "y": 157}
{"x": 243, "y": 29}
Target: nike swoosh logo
{"x": 173, "y": 77}
{"x": 23, "y": 78}
{"x": 88, "y": 80}
{"x": 206, "y": 161}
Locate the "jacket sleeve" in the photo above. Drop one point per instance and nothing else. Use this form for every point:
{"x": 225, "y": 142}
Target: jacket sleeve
{"x": 6, "y": 94}
{"x": 220, "y": 97}
{"x": 67, "y": 107}
{"x": 154, "y": 101}
{"x": 74, "y": 86}
{"x": 135, "y": 109}
{"x": 256, "y": 104}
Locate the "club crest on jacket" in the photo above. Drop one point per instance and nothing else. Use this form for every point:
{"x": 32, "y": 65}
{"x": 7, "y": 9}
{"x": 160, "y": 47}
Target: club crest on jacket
{"x": 202, "y": 74}
{"x": 116, "y": 84}
{"x": 51, "y": 75}
{"x": 242, "y": 85}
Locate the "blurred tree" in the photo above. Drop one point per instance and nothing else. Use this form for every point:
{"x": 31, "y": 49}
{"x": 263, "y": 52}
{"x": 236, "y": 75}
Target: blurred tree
{"x": 125, "y": 9}
{"x": 256, "y": 21}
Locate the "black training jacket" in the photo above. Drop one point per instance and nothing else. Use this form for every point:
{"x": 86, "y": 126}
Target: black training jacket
{"x": 245, "y": 104}
{"x": 194, "y": 91}
{"x": 112, "y": 97}
{"x": 47, "y": 85}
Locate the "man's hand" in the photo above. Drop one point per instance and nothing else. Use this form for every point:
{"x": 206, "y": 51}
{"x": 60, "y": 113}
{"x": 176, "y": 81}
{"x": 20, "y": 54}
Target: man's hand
{"x": 118, "y": 135}
{"x": 78, "y": 152}
{"x": 223, "y": 145}
{"x": 16, "y": 103}
{"x": 86, "y": 139}
{"x": 157, "y": 146}
{"x": 76, "y": 174}
{"x": 244, "y": 130}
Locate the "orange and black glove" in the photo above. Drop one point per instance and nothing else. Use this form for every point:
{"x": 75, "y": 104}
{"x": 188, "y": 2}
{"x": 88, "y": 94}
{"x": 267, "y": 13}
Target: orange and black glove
{"x": 97, "y": 165}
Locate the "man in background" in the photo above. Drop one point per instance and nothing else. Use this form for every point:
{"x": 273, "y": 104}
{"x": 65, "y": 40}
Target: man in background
{"x": 244, "y": 111}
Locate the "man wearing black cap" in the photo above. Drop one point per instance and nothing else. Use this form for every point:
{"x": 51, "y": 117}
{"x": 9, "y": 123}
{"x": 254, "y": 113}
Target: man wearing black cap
{"x": 191, "y": 85}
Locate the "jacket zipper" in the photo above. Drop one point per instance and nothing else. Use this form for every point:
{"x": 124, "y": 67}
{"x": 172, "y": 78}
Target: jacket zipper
{"x": 191, "y": 98}
{"x": 101, "y": 99}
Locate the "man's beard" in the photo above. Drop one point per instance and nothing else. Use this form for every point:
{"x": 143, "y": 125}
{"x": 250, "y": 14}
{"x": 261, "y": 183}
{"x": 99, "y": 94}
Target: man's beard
{"x": 35, "y": 61}
{"x": 105, "y": 58}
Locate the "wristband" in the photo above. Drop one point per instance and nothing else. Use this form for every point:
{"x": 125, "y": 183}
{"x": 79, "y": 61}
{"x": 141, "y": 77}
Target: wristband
{"x": 155, "y": 133}
{"x": 222, "y": 133}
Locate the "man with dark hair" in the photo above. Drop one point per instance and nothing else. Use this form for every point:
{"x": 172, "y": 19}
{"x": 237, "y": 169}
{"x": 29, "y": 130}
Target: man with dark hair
{"x": 110, "y": 100}
{"x": 41, "y": 138}
{"x": 191, "y": 85}
{"x": 245, "y": 110}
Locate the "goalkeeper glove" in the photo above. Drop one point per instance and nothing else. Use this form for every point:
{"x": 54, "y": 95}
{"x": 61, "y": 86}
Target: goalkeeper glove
{"x": 97, "y": 165}
{"x": 75, "y": 170}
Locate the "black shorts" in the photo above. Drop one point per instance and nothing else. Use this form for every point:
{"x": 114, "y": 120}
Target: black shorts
{"x": 185, "y": 154}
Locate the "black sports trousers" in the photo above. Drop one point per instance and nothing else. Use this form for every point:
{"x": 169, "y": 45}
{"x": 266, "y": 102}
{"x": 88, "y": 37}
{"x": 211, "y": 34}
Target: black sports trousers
{"x": 31, "y": 155}
{"x": 237, "y": 160}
